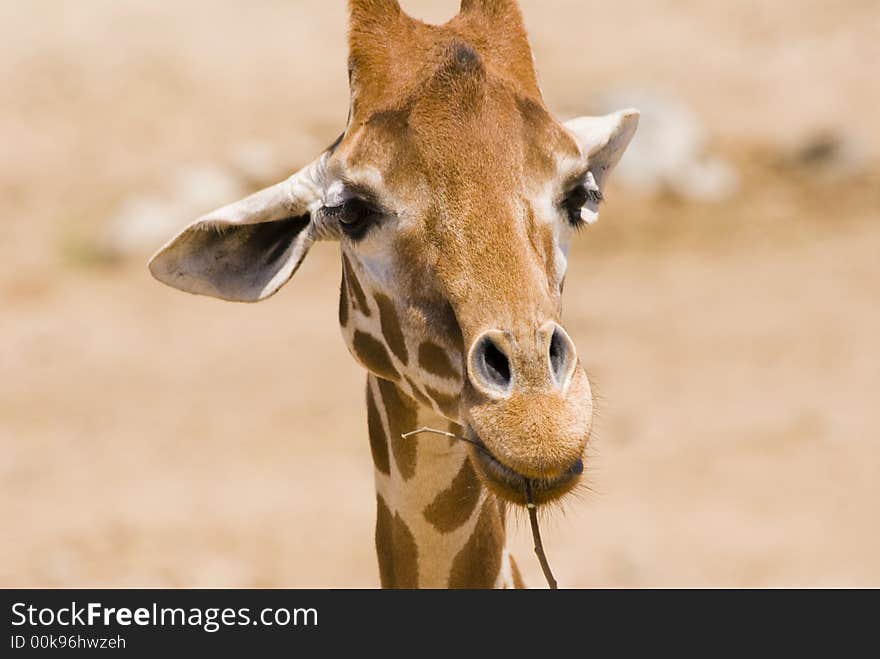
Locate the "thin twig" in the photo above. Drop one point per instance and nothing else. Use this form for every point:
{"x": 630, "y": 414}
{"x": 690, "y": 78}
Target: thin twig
{"x": 450, "y": 435}
{"x": 536, "y": 534}
{"x": 530, "y": 501}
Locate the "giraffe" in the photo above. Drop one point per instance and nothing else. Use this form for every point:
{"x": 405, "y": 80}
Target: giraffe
{"x": 454, "y": 195}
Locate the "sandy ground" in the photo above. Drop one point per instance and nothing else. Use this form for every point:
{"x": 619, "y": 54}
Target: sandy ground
{"x": 151, "y": 438}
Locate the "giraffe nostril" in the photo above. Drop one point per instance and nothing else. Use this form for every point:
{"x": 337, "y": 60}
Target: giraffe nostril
{"x": 495, "y": 363}
{"x": 562, "y": 356}
{"x": 491, "y": 365}
{"x": 557, "y": 353}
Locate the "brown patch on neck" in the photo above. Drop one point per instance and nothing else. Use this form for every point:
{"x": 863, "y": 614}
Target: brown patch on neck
{"x": 417, "y": 393}
{"x": 435, "y": 360}
{"x": 360, "y": 299}
{"x": 343, "y": 301}
{"x": 396, "y": 549}
{"x": 402, "y": 414}
{"x": 448, "y": 404}
{"x": 373, "y": 355}
{"x": 391, "y": 331}
{"x": 455, "y": 505}
{"x": 478, "y": 563}
{"x": 378, "y": 440}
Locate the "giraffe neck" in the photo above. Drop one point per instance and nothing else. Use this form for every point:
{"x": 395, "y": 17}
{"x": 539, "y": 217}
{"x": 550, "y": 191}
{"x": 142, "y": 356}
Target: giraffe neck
{"x": 437, "y": 526}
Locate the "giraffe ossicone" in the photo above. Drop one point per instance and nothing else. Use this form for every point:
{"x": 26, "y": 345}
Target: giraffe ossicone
{"x": 454, "y": 195}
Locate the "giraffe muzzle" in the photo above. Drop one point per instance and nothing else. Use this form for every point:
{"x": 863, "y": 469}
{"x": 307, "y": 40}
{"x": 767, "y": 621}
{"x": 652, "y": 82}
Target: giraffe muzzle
{"x": 528, "y": 407}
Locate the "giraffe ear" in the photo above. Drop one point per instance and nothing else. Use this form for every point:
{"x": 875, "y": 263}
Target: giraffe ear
{"x": 246, "y": 251}
{"x": 604, "y": 139}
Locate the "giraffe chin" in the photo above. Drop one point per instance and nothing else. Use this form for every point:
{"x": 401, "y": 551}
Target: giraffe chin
{"x": 510, "y": 485}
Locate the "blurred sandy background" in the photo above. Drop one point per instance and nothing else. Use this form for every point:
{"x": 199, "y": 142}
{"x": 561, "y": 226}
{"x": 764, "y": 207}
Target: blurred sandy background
{"x": 150, "y": 438}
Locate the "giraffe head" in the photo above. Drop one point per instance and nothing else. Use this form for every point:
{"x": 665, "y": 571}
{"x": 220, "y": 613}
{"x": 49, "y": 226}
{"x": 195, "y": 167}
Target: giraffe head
{"x": 454, "y": 195}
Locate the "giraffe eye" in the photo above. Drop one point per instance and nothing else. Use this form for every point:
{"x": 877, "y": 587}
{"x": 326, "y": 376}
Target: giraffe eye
{"x": 355, "y": 217}
{"x": 581, "y": 202}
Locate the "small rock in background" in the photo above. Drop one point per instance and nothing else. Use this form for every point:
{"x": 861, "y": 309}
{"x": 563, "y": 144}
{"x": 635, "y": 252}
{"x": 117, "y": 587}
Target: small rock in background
{"x": 829, "y": 154}
{"x": 670, "y": 150}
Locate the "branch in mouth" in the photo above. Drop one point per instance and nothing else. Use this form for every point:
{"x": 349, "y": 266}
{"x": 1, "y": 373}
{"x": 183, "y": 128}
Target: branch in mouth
{"x": 536, "y": 534}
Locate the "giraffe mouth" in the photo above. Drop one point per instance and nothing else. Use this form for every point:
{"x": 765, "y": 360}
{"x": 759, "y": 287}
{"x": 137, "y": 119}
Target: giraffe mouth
{"x": 511, "y": 485}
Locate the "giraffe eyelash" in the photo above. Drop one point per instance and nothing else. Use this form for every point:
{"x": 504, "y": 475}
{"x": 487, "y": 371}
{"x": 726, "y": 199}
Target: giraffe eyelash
{"x": 584, "y": 193}
{"x": 355, "y": 217}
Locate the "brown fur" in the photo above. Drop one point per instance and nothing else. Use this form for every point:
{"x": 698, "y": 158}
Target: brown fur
{"x": 435, "y": 360}
{"x": 390, "y": 51}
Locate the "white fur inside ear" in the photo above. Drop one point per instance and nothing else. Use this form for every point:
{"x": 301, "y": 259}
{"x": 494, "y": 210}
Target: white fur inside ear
{"x": 604, "y": 139}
